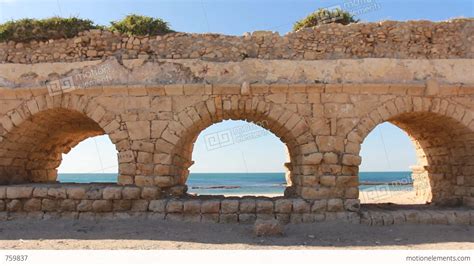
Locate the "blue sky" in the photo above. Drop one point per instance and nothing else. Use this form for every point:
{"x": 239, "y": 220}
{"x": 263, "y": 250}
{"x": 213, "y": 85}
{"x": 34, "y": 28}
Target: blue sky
{"x": 262, "y": 154}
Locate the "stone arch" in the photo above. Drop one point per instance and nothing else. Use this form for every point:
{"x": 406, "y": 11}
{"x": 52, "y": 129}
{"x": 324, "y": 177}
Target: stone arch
{"x": 443, "y": 135}
{"x": 35, "y": 134}
{"x": 286, "y": 124}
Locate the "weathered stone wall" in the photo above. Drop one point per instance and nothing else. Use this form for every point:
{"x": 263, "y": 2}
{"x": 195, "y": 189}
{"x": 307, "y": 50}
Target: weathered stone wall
{"x": 99, "y": 201}
{"x": 388, "y": 39}
{"x": 81, "y": 200}
{"x": 154, "y": 109}
{"x": 322, "y": 125}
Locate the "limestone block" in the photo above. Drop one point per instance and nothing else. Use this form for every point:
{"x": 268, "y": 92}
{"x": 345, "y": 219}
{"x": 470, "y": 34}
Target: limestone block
{"x": 283, "y": 206}
{"x": 210, "y": 206}
{"x": 192, "y": 207}
{"x": 247, "y": 206}
{"x": 158, "y": 205}
{"x": 143, "y": 181}
{"x": 111, "y": 193}
{"x": 328, "y": 180}
{"x": 67, "y": 205}
{"x": 3, "y": 192}
{"x": 319, "y": 206}
{"x": 210, "y": 218}
{"x": 164, "y": 181}
{"x": 138, "y": 130}
{"x": 301, "y": 206}
{"x": 140, "y": 205}
{"x": 311, "y": 159}
{"x": 14, "y": 205}
{"x": 335, "y": 205}
{"x": 352, "y": 160}
{"x": 76, "y": 193}
{"x": 32, "y": 205}
{"x": 49, "y": 205}
{"x": 247, "y": 218}
{"x": 131, "y": 193}
{"x": 174, "y": 206}
{"x": 228, "y": 218}
{"x": 432, "y": 87}
{"x": 84, "y": 206}
{"x": 19, "y": 192}
{"x": 352, "y": 205}
{"x": 264, "y": 206}
{"x": 102, "y": 205}
{"x": 229, "y": 206}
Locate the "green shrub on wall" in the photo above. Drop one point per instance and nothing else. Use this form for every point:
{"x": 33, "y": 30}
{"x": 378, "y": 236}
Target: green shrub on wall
{"x": 24, "y": 30}
{"x": 325, "y": 16}
{"x": 140, "y": 25}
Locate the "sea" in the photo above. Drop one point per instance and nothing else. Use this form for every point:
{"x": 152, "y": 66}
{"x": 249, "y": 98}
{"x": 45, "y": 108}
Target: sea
{"x": 252, "y": 183}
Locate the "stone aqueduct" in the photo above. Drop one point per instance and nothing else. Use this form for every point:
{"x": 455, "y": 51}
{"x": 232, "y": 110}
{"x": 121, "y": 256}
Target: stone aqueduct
{"x": 321, "y": 91}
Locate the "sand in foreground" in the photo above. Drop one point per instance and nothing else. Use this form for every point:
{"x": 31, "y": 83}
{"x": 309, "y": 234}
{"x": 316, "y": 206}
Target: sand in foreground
{"x": 159, "y": 234}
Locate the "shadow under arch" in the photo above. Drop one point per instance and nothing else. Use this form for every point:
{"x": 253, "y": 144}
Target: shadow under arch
{"x": 35, "y": 135}
{"x": 287, "y": 125}
{"x": 444, "y": 141}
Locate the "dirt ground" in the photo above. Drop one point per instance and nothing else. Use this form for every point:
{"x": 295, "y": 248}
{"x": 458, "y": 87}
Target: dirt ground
{"x": 153, "y": 234}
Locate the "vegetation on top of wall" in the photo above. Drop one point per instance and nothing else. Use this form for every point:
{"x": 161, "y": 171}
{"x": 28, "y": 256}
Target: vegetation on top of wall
{"x": 25, "y": 30}
{"x": 140, "y": 25}
{"x": 325, "y": 16}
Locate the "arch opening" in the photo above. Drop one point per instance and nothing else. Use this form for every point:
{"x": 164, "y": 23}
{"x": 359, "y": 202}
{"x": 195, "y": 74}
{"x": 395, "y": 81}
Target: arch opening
{"x": 385, "y": 174}
{"x": 32, "y": 151}
{"x": 239, "y": 158}
{"x": 444, "y": 169}
{"x": 288, "y": 126}
{"x": 94, "y": 160}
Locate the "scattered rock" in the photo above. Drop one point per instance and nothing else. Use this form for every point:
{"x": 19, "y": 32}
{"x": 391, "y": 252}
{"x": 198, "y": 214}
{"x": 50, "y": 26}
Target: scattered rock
{"x": 269, "y": 227}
